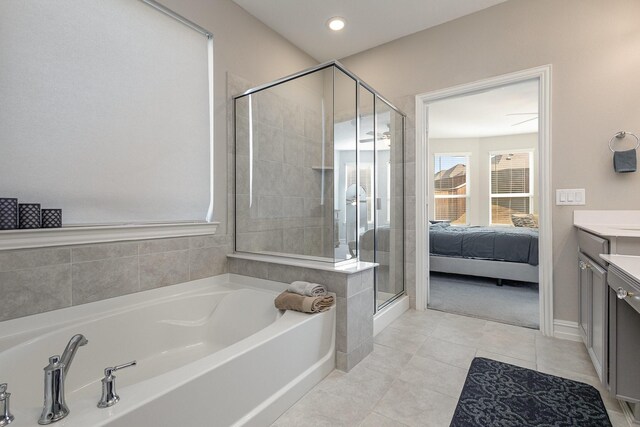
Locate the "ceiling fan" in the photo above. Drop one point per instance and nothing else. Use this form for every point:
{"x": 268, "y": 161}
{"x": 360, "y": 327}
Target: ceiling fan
{"x": 523, "y": 114}
{"x": 380, "y": 135}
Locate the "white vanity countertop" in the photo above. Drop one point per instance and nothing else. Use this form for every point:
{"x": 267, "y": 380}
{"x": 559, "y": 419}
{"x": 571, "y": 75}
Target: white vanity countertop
{"x": 609, "y": 223}
{"x": 628, "y": 263}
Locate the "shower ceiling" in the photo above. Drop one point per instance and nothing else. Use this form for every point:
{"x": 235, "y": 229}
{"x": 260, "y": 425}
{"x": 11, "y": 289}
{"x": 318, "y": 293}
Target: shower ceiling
{"x": 370, "y": 22}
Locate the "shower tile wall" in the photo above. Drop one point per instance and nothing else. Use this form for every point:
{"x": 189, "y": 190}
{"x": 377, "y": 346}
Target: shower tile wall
{"x": 288, "y": 208}
{"x": 37, "y": 280}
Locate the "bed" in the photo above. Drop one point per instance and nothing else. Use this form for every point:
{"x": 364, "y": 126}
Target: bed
{"x": 499, "y": 252}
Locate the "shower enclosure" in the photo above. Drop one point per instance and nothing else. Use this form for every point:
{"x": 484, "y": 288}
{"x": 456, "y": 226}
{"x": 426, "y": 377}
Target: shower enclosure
{"x": 319, "y": 173}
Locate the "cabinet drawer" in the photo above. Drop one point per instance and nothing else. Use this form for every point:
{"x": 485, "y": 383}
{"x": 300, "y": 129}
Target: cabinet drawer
{"x": 592, "y": 246}
{"x": 617, "y": 280}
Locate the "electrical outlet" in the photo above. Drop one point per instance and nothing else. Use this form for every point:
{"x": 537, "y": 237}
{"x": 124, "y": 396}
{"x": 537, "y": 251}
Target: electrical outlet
{"x": 571, "y": 197}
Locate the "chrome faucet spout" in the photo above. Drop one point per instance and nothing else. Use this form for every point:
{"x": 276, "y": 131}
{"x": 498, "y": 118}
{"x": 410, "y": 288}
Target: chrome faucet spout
{"x": 55, "y": 373}
{"x": 70, "y": 351}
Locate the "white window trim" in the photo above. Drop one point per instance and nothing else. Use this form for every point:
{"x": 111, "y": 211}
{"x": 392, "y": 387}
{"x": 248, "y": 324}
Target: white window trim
{"x": 467, "y": 195}
{"x": 530, "y": 194}
{"x": 81, "y": 235}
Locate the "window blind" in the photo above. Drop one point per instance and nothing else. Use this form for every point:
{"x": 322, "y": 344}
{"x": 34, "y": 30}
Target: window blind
{"x": 105, "y": 111}
{"x": 510, "y": 186}
{"x": 510, "y": 173}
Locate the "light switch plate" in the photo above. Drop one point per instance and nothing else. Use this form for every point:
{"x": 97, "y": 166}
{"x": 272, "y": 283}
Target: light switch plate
{"x": 571, "y": 197}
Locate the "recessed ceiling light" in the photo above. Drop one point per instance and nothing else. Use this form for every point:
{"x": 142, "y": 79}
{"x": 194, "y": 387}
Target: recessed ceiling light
{"x": 336, "y": 23}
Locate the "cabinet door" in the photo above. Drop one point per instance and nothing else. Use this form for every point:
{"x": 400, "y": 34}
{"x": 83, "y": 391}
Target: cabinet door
{"x": 624, "y": 341}
{"x": 626, "y": 348}
{"x": 585, "y": 299}
{"x": 598, "y": 347}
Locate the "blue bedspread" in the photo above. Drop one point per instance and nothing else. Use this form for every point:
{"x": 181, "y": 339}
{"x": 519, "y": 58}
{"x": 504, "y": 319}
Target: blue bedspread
{"x": 513, "y": 244}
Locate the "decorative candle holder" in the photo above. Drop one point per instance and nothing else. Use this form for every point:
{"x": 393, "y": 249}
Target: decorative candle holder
{"x": 8, "y": 213}
{"x": 29, "y": 215}
{"x": 51, "y": 218}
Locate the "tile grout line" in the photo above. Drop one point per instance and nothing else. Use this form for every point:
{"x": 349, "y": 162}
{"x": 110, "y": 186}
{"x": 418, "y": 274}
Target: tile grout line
{"x": 71, "y": 276}
{"x": 138, "y": 259}
{"x": 389, "y": 418}
{"x": 189, "y": 260}
{"x": 36, "y": 267}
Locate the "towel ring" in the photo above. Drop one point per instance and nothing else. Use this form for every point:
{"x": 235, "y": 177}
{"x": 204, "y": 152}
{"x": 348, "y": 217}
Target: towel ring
{"x": 621, "y": 135}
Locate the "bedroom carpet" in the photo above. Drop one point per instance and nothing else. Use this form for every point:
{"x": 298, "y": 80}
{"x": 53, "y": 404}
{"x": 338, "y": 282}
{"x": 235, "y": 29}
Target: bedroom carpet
{"x": 513, "y": 303}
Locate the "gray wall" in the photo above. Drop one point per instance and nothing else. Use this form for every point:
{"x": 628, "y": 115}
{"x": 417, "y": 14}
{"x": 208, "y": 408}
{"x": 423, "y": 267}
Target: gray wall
{"x": 593, "y": 46}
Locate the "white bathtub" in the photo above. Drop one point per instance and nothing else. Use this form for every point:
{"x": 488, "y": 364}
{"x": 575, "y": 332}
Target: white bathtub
{"x": 211, "y": 352}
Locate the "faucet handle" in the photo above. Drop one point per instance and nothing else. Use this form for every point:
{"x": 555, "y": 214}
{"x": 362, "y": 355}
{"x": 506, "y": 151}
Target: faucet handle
{"x": 5, "y": 414}
{"x": 109, "y": 371}
{"x": 109, "y": 395}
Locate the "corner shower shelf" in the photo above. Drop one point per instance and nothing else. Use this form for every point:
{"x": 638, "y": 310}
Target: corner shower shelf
{"x": 78, "y": 235}
{"x": 322, "y": 168}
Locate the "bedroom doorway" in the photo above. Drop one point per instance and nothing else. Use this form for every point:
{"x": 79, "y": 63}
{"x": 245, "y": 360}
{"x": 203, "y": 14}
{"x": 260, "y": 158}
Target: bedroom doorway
{"x": 484, "y": 184}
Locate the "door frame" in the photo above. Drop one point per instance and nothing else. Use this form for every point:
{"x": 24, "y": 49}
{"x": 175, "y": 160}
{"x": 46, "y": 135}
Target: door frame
{"x": 545, "y": 271}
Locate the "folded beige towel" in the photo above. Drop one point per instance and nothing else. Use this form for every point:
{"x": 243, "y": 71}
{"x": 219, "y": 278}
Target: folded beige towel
{"x": 291, "y": 301}
{"x": 307, "y": 289}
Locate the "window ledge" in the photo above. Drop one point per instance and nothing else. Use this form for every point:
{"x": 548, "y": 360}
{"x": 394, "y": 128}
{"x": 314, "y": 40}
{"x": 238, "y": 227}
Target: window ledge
{"x": 79, "y": 235}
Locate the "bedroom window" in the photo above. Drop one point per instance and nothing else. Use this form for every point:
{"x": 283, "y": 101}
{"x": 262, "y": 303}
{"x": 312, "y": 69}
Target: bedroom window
{"x": 451, "y": 188}
{"x": 511, "y": 185}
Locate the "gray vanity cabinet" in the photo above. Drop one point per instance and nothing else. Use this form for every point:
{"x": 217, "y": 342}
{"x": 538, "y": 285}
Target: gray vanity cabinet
{"x": 585, "y": 299}
{"x": 599, "y": 321}
{"x": 609, "y": 320}
{"x": 593, "y": 312}
{"x": 624, "y": 338}
{"x": 594, "y": 299}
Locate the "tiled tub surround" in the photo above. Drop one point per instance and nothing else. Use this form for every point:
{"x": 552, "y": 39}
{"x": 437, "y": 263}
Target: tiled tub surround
{"x": 354, "y": 302}
{"x": 37, "y": 280}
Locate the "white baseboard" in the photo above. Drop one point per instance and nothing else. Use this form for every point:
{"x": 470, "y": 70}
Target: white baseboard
{"x": 390, "y": 313}
{"x": 566, "y": 330}
{"x": 628, "y": 413}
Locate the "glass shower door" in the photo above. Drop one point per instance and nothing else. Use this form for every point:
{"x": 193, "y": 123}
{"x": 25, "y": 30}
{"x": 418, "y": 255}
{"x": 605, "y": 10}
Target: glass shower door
{"x": 366, "y": 176}
{"x": 389, "y": 203}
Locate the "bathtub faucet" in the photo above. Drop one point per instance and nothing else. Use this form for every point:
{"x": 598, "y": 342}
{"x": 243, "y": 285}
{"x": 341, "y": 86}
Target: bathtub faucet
{"x": 55, "y": 373}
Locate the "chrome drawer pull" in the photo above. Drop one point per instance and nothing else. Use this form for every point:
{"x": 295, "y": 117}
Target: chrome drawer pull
{"x": 623, "y": 293}
{"x": 584, "y": 265}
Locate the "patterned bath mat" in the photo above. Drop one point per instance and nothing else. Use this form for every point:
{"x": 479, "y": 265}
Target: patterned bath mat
{"x": 496, "y": 394}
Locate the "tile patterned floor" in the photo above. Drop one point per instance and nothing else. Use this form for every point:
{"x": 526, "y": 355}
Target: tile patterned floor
{"x": 416, "y": 372}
